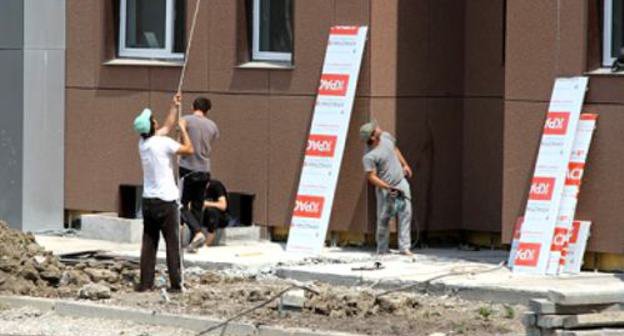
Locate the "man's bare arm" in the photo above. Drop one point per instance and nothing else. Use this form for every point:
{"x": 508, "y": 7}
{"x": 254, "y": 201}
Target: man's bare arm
{"x": 407, "y": 170}
{"x": 220, "y": 204}
{"x": 376, "y": 181}
{"x": 171, "y": 117}
{"x": 187, "y": 146}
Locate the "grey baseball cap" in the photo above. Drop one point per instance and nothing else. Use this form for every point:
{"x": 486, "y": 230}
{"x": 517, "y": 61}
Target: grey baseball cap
{"x": 367, "y": 130}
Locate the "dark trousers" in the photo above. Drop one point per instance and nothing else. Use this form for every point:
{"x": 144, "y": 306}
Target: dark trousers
{"x": 193, "y": 188}
{"x": 210, "y": 220}
{"x": 160, "y": 216}
{"x": 213, "y": 218}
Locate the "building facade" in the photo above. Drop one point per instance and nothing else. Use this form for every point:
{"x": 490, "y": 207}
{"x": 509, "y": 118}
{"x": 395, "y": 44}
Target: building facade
{"x": 464, "y": 86}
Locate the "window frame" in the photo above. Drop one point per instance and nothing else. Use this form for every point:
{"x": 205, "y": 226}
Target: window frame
{"x": 607, "y": 33}
{"x": 149, "y": 53}
{"x": 256, "y": 53}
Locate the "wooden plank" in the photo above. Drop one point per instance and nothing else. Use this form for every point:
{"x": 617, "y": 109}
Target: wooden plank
{"x": 603, "y": 319}
{"x": 586, "y": 297}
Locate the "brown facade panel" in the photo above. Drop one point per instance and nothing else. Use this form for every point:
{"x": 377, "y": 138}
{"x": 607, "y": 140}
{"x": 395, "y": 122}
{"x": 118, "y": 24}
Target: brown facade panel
{"x": 482, "y": 164}
{"x": 429, "y": 132}
{"x": 605, "y": 89}
{"x": 349, "y": 211}
{"x": 531, "y": 53}
{"x": 224, "y": 76}
{"x": 572, "y": 38}
{"x": 601, "y": 197}
{"x": 417, "y": 48}
{"x": 415, "y": 140}
{"x": 413, "y": 63}
{"x": 241, "y": 156}
{"x": 445, "y": 74}
{"x": 445, "y": 116}
{"x": 383, "y": 44}
{"x": 82, "y": 44}
{"x": 100, "y": 147}
{"x": 484, "y": 49}
{"x": 523, "y": 128}
{"x": 290, "y": 119}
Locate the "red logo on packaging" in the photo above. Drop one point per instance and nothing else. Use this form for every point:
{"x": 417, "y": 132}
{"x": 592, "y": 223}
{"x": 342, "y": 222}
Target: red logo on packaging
{"x": 560, "y": 239}
{"x": 556, "y": 123}
{"x": 308, "y": 206}
{"x": 575, "y": 173}
{"x": 344, "y": 30}
{"x": 576, "y": 227}
{"x": 321, "y": 145}
{"x": 542, "y": 188}
{"x": 528, "y": 254}
{"x": 333, "y": 85}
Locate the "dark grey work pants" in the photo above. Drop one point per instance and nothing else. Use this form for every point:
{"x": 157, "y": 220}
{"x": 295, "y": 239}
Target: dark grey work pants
{"x": 160, "y": 216}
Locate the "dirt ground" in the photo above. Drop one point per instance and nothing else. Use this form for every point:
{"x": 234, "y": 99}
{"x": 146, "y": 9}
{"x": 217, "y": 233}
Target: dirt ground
{"x": 26, "y": 269}
{"x": 348, "y": 309}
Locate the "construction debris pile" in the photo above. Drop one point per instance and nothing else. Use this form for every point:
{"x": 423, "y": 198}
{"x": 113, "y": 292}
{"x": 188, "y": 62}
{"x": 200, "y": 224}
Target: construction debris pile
{"x": 27, "y": 269}
{"x": 579, "y": 313}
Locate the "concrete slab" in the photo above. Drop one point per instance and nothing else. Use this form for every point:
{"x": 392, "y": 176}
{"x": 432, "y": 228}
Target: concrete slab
{"x": 190, "y": 322}
{"x": 108, "y": 226}
{"x": 469, "y": 274}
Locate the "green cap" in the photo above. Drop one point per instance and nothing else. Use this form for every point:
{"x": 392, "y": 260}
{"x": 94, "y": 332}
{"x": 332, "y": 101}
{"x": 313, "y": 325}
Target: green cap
{"x": 367, "y": 130}
{"x": 142, "y": 123}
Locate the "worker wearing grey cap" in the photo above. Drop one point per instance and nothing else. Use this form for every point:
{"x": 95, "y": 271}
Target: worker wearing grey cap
{"x": 386, "y": 169}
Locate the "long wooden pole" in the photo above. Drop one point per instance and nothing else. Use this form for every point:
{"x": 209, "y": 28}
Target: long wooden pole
{"x": 187, "y": 54}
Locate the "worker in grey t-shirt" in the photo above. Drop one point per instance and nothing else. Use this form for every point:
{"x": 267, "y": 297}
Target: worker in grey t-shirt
{"x": 386, "y": 169}
{"x": 195, "y": 169}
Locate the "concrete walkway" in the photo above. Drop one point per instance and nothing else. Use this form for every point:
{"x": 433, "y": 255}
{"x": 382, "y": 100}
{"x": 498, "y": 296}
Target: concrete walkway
{"x": 336, "y": 266}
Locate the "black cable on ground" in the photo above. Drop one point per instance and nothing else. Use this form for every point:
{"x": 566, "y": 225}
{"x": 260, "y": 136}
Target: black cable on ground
{"x": 256, "y": 307}
{"x": 438, "y": 277}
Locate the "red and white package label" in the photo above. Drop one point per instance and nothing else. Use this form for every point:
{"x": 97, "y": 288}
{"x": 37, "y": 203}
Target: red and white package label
{"x": 575, "y": 173}
{"x": 321, "y": 145}
{"x": 542, "y": 188}
{"x": 556, "y": 123}
{"x": 527, "y": 254}
{"x": 308, "y": 206}
{"x": 559, "y": 239}
{"x": 344, "y": 30}
{"x": 333, "y": 85}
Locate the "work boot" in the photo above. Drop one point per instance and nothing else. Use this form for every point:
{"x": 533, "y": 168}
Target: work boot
{"x": 196, "y": 243}
{"x": 140, "y": 288}
{"x": 407, "y": 253}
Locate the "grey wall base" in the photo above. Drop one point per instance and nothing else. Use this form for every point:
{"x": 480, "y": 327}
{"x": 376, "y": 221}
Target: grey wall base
{"x": 107, "y": 226}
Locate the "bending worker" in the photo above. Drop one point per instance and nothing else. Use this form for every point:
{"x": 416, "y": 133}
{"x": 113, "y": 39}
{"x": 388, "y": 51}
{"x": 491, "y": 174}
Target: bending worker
{"x": 160, "y": 193}
{"x": 195, "y": 169}
{"x": 215, "y": 215}
{"x": 386, "y": 169}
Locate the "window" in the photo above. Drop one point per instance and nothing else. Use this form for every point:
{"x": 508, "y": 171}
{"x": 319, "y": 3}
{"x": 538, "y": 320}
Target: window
{"x": 152, "y": 28}
{"x": 272, "y": 33}
{"x": 613, "y": 31}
